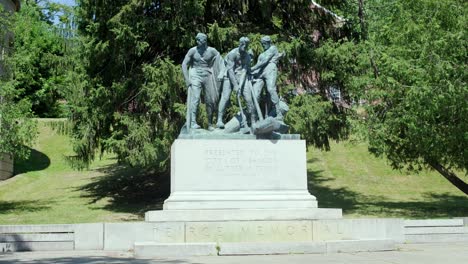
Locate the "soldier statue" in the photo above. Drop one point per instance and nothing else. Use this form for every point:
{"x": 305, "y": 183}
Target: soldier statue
{"x": 200, "y": 67}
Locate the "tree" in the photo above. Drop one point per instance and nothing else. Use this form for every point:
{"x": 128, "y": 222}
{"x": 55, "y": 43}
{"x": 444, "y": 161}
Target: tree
{"x": 405, "y": 58}
{"x": 17, "y": 130}
{"x": 130, "y": 99}
{"x": 40, "y": 62}
{"x": 418, "y": 99}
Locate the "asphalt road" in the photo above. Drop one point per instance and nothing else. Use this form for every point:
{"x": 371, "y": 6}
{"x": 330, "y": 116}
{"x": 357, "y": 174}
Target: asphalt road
{"x": 443, "y": 253}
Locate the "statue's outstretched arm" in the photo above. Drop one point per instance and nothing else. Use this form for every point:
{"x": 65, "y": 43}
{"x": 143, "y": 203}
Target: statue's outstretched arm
{"x": 269, "y": 54}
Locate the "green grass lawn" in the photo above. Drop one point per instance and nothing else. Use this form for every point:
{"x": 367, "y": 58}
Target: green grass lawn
{"x": 349, "y": 177}
{"x": 47, "y": 190}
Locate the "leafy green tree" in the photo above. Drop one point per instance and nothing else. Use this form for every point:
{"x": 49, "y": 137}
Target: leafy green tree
{"x": 17, "y": 129}
{"x": 418, "y": 99}
{"x": 130, "y": 98}
{"x": 40, "y": 62}
{"x": 406, "y": 59}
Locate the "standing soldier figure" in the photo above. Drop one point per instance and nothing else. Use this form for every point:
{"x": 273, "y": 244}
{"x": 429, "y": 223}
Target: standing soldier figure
{"x": 203, "y": 62}
{"x": 267, "y": 72}
{"x": 236, "y": 74}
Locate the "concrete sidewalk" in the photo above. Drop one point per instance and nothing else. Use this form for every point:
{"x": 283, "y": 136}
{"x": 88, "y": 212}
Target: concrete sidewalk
{"x": 446, "y": 253}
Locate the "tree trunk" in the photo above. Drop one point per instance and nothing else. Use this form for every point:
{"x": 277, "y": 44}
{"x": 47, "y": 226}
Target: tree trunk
{"x": 450, "y": 176}
{"x": 362, "y": 20}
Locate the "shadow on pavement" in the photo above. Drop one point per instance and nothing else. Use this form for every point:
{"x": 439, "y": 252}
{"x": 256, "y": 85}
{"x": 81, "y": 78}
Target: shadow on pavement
{"x": 87, "y": 260}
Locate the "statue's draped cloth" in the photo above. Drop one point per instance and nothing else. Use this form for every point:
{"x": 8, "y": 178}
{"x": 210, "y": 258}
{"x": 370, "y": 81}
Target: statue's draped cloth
{"x": 207, "y": 78}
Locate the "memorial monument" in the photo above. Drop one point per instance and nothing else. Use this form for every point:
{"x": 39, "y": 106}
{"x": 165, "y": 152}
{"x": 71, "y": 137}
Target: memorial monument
{"x": 256, "y": 170}
{"x": 248, "y": 168}
{"x": 241, "y": 187}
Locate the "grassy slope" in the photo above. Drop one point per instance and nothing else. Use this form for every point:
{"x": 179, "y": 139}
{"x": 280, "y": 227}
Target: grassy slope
{"x": 47, "y": 190}
{"x": 350, "y": 178}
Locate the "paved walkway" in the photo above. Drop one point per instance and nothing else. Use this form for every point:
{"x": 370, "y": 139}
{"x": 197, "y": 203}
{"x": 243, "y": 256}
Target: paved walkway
{"x": 446, "y": 253}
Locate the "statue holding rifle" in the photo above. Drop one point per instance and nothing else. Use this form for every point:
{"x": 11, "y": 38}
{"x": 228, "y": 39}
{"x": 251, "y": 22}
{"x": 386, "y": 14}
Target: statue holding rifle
{"x": 204, "y": 70}
{"x": 235, "y": 77}
{"x": 266, "y": 72}
{"x": 200, "y": 68}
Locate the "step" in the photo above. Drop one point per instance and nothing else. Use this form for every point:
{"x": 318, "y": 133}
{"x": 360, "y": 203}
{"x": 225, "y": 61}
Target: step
{"x": 242, "y": 215}
{"x": 156, "y": 250}
{"x": 436, "y": 238}
{"x": 436, "y": 230}
{"x": 434, "y": 222}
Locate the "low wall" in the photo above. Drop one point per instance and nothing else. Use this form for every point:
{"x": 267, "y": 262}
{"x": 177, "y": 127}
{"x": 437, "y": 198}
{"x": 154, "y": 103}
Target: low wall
{"x": 436, "y": 230}
{"x": 6, "y": 166}
{"x": 94, "y": 236}
{"x": 123, "y": 236}
{"x": 51, "y": 237}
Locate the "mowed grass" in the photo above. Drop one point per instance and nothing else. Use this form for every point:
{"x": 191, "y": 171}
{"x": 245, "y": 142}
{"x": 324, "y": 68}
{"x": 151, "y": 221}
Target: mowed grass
{"x": 47, "y": 190}
{"x": 349, "y": 177}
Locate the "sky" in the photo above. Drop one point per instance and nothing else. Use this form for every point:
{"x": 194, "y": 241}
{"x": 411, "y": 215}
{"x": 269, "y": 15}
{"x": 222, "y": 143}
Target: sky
{"x": 66, "y": 2}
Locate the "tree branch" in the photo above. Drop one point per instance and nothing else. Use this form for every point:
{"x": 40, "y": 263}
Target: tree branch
{"x": 338, "y": 20}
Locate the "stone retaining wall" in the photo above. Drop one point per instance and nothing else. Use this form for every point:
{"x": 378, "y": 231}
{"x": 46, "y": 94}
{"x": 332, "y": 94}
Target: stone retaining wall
{"x": 124, "y": 236}
{"x": 436, "y": 230}
{"x": 6, "y": 166}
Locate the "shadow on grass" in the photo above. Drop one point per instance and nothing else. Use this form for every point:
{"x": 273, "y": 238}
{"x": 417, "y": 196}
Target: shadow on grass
{"x": 129, "y": 190}
{"x": 37, "y": 161}
{"x": 431, "y": 205}
{"x": 9, "y": 207}
{"x": 434, "y": 205}
{"x": 329, "y": 197}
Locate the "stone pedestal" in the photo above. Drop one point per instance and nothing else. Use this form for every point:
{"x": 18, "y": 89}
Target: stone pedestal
{"x": 250, "y": 196}
{"x": 239, "y": 174}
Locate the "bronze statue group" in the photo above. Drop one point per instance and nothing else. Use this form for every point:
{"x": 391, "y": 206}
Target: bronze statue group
{"x": 205, "y": 70}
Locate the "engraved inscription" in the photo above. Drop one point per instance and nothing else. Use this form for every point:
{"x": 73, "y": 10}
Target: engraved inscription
{"x": 169, "y": 232}
{"x": 238, "y": 162}
{"x": 7, "y": 247}
{"x": 220, "y": 231}
{"x": 192, "y": 230}
{"x": 260, "y": 230}
{"x": 205, "y": 231}
{"x": 328, "y": 231}
{"x": 249, "y": 231}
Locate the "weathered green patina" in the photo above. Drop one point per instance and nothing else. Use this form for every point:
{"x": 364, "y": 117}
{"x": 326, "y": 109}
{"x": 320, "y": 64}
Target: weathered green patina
{"x": 234, "y": 73}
